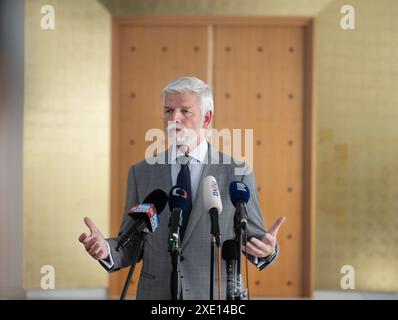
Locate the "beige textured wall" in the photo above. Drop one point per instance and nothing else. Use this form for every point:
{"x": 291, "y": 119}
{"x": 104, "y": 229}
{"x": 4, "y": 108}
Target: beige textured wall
{"x": 357, "y": 206}
{"x": 66, "y": 139}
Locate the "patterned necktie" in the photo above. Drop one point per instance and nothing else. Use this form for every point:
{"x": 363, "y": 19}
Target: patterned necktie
{"x": 184, "y": 180}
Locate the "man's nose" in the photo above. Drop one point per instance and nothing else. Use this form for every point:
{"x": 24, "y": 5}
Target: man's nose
{"x": 175, "y": 116}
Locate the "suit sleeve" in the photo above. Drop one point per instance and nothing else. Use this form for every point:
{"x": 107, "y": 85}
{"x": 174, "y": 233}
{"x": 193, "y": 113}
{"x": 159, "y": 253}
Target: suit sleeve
{"x": 124, "y": 257}
{"x": 255, "y": 221}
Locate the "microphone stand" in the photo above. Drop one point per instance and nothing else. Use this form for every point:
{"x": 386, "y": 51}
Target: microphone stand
{"x": 175, "y": 250}
{"x": 240, "y": 229}
{"x": 175, "y": 262}
{"x": 238, "y": 232}
{"x": 215, "y": 240}
{"x": 138, "y": 245}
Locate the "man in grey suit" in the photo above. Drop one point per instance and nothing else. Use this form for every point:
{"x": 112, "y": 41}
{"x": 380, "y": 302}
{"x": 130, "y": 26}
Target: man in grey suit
{"x": 188, "y": 108}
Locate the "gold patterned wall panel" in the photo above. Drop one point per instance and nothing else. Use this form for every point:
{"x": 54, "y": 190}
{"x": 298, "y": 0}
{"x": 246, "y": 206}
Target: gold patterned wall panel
{"x": 357, "y": 198}
{"x": 66, "y": 140}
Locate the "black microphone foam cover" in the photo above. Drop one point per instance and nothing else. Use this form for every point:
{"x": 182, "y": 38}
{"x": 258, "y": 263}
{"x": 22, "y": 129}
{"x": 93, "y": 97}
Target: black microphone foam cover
{"x": 158, "y": 198}
{"x": 230, "y": 250}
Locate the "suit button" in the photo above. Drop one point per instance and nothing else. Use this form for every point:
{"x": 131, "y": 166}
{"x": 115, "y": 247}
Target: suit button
{"x": 182, "y": 258}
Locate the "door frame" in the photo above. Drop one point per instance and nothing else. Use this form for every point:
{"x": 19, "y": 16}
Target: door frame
{"x": 309, "y": 118}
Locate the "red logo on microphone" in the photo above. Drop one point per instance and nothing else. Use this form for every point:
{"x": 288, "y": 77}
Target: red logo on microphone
{"x": 178, "y": 192}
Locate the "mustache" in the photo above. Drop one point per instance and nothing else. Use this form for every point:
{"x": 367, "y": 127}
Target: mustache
{"x": 172, "y": 126}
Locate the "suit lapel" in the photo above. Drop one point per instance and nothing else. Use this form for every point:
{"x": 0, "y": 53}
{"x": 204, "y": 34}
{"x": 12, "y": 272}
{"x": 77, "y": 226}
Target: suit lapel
{"x": 164, "y": 175}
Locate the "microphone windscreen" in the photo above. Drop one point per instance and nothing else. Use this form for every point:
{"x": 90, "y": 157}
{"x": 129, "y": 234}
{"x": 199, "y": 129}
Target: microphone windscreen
{"x": 158, "y": 198}
{"x": 178, "y": 198}
{"x": 238, "y": 191}
{"x": 211, "y": 194}
{"x": 230, "y": 250}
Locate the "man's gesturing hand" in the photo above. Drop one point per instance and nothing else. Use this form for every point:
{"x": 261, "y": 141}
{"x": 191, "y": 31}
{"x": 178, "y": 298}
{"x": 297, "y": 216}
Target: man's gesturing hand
{"x": 94, "y": 243}
{"x": 263, "y": 248}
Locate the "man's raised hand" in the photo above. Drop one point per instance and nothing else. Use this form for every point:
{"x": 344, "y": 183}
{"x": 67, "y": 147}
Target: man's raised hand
{"x": 94, "y": 243}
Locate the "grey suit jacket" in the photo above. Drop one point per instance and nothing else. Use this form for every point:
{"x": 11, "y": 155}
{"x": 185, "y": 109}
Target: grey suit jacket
{"x": 154, "y": 281}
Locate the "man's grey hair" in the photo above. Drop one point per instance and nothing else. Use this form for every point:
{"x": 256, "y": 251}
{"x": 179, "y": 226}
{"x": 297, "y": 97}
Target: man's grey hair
{"x": 193, "y": 85}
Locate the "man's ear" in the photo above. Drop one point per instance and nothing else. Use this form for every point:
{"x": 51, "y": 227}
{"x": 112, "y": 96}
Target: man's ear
{"x": 207, "y": 119}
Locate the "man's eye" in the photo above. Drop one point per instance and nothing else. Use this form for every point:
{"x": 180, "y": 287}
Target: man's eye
{"x": 186, "y": 111}
{"x": 167, "y": 111}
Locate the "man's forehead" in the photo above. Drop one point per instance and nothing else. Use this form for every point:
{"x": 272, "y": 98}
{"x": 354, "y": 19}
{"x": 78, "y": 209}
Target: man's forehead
{"x": 185, "y": 97}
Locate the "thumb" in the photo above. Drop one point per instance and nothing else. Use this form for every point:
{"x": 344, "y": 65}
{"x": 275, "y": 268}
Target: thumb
{"x": 275, "y": 227}
{"x": 90, "y": 224}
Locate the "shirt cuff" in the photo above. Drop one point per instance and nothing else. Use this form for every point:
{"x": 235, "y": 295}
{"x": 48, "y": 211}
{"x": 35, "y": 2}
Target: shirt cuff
{"x": 108, "y": 262}
{"x": 267, "y": 261}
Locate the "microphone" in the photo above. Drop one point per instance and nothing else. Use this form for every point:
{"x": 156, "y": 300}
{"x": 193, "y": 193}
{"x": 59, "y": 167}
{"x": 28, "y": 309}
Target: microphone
{"x": 239, "y": 194}
{"x": 212, "y": 204}
{"x": 178, "y": 202}
{"x": 145, "y": 215}
{"x": 230, "y": 253}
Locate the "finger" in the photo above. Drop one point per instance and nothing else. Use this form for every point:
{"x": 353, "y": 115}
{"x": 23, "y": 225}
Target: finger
{"x": 253, "y": 250}
{"x": 275, "y": 227}
{"x": 263, "y": 251}
{"x": 257, "y": 243}
{"x": 90, "y": 224}
{"x": 94, "y": 249}
{"x": 246, "y": 250}
{"x": 99, "y": 255}
{"x": 90, "y": 243}
{"x": 269, "y": 240}
{"x": 82, "y": 238}
{"x": 267, "y": 245}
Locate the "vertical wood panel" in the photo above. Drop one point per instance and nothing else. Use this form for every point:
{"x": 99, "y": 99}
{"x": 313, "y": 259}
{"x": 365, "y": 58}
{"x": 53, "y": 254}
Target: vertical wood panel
{"x": 149, "y": 58}
{"x": 259, "y": 85}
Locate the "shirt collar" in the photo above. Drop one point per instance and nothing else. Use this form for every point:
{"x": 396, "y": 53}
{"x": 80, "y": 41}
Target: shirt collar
{"x": 199, "y": 153}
